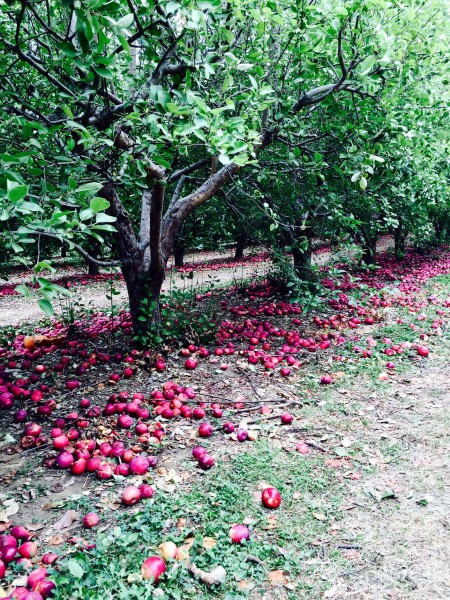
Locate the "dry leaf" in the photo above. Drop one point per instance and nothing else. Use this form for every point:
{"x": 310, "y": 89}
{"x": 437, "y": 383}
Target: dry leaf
{"x": 346, "y": 442}
{"x": 245, "y": 584}
{"x": 181, "y": 523}
{"x": 351, "y": 554}
{"x": 319, "y": 516}
{"x": 12, "y": 508}
{"x": 165, "y": 487}
{"x": 66, "y": 520}
{"x": 114, "y": 505}
{"x": 277, "y": 577}
{"x": 209, "y": 543}
{"x": 51, "y": 505}
{"x": 215, "y": 577}
{"x": 56, "y": 540}
{"x": 34, "y": 526}
{"x": 271, "y": 522}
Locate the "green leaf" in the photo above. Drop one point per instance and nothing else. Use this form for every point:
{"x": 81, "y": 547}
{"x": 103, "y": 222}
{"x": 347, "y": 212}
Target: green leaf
{"x": 86, "y": 214}
{"x": 91, "y": 187}
{"x": 75, "y": 568}
{"x": 47, "y": 308}
{"x": 16, "y": 191}
{"x": 98, "y": 204}
{"x": 363, "y": 183}
{"x": 104, "y": 218}
{"x": 103, "y": 72}
{"x": 105, "y": 227}
{"x": 23, "y": 290}
{"x": 125, "y": 21}
{"x": 367, "y": 64}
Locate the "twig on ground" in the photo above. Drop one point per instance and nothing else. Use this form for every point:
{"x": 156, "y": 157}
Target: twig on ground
{"x": 316, "y": 446}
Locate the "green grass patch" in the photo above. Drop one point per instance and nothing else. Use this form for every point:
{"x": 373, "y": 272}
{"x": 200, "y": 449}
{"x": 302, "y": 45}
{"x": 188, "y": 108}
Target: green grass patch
{"x": 223, "y": 497}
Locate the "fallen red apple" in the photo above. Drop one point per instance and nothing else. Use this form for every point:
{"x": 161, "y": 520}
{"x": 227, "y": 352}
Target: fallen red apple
{"x": 91, "y": 520}
{"x": 239, "y": 533}
{"x": 271, "y": 498}
{"x": 205, "y": 430}
{"x": 286, "y": 418}
{"x": 153, "y": 568}
{"x": 131, "y": 495}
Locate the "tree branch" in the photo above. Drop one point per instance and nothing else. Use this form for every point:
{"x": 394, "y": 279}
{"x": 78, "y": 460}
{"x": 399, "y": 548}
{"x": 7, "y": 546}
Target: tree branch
{"x": 77, "y": 247}
{"x": 188, "y": 170}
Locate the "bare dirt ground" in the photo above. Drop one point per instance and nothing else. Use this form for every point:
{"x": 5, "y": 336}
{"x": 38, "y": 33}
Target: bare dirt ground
{"x": 396, "y": 518}
{"x": 15, "y": 310}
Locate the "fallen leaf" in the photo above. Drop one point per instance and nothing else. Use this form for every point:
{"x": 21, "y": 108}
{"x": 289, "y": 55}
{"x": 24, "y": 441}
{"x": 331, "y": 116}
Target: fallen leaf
{"x": 209, "y": 543}
{"x": 277, "y": 577}
{"x": 351, "y": 554}
{"x": 165, "y": 487}
{"x": 52, "y": 505}
{"x": 12, "y": 507}
{"x": 346, "y": 442}
{"x": 271, "y": 522}
{"x": 333, "y": 463}
{"x": 56, "y": 540}
{"x": 66, "y": 520}
{"x": 34, "y": 526}
{"x": 19, "y": 581}
{"x": 245, "y": 584}
{"x": 320, "y": 516}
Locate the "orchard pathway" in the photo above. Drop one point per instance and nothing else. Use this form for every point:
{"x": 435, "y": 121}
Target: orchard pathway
{"x": 16, "y": 310}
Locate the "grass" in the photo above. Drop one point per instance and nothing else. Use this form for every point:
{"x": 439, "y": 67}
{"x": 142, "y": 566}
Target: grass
{"x": 281, "y": 539}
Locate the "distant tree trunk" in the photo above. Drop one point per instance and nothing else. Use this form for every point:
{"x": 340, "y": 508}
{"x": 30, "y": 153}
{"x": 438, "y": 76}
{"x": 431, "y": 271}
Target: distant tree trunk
{"x": 178, "y": 253}
{"x": 369, "y": 247}
{"x": 63, "y": 251}
{"x": 302, "y": 262}
{"x": 179, "y": 249}
{"x": 399, "y": 241}
{"x": 94, "y": 251}
{"x": 302, "y": 256}
{"x": 241, "y": 242}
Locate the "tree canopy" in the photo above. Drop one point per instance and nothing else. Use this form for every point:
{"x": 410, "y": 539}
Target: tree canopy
{"x": 119, "y": 119}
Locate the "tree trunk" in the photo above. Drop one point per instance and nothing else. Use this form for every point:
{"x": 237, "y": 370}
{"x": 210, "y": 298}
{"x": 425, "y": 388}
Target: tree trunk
{"x": 302, "y": 258}
{"x": 369, "y": 247}
{"x": 63, "y": 251}
{"x": 399, "y": 241}
{"x": 179, "y": 248}
{"x": 178, "y": 253}
{"x": 302, "y": 262}
{"x": 94, "y": 250}
{"x": 241, "y": 242}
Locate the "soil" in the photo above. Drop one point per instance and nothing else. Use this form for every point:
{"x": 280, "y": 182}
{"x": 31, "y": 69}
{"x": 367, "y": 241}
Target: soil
{"x": 396, "y": 519}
